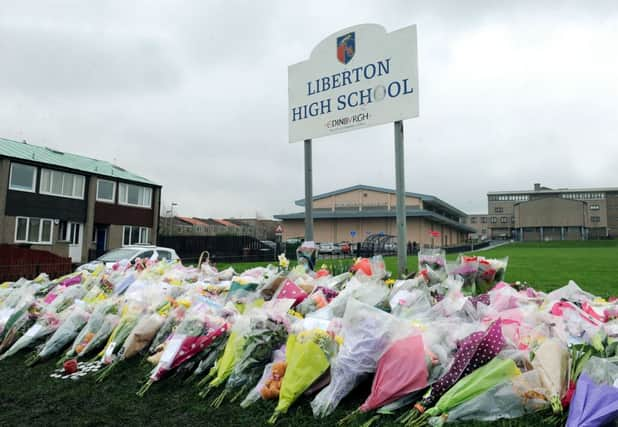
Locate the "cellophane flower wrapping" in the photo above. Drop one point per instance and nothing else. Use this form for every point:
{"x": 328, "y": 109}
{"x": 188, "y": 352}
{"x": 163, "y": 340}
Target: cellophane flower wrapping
{"x": 474, "y": 351}
{"x": 370, "y": 292}
{"x": 367, "y": 331}
{"x": 595, "y": 402}
{"x": 551, "y": 360}
{"x": 44, "y": 326}
{"x": 411, "y": 299}
{"x": 256, "y": 392}
{"x": 232, "y": 352}
{"x": 401, "y": 370}
{"x": 496, "y": 371}
{"x": 503, "y": 401}
{"x": 142, "y": 334}
{"x": 466, "y": 268}
{"x": 434, "y": 259}
{"x": 197, "y": 331}
{"x": 173, "y": 317}
{"x": 131, "y": 313}
{"x": 308, "y": 354}
{"x": 65, "y": 333}
{"x": 490, "y": 272}
{"x": 266, "y": 334}
{"x": 94, "y": 325}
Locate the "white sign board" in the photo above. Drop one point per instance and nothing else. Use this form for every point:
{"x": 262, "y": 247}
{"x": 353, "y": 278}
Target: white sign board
{"x": 358, "y": 77}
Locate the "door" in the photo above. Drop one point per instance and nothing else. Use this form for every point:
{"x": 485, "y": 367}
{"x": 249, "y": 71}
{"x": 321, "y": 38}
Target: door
{"x": 75, "y": 241}
{"x": 101, "y": 239}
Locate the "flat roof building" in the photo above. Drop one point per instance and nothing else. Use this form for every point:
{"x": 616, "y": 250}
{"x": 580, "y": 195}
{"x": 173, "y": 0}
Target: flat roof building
{"x": 553, "y": 214}
{"x": 72, "y": 205}
{"x": 353, "y": 213}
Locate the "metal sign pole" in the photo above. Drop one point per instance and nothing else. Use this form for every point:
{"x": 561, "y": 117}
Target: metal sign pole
{"x": 402, "y": 257}
{"x": 308, "y": 192}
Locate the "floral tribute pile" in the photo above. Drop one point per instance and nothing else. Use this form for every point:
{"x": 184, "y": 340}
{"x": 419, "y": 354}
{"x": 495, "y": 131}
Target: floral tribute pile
{"x": 455, "y": 342}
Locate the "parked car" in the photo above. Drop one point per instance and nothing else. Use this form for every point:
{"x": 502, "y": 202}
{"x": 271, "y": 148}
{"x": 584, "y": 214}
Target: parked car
{"x": 345, "y": 247}
{"x": 272, "y": 245}
{"x": 130, "y": 253}
{"x": 327, "y": 248}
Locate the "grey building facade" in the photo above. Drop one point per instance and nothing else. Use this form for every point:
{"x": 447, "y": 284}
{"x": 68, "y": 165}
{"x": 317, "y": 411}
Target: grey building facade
{"x": 553, "y": 214}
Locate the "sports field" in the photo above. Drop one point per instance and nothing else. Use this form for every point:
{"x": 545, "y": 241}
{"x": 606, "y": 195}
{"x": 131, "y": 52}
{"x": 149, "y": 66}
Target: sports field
{"x": 28, "y": 396}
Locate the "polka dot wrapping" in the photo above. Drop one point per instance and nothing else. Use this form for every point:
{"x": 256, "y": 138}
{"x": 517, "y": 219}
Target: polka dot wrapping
{"x": 474, "y": 351}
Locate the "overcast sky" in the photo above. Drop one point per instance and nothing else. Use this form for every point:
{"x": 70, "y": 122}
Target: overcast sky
{"x": 193, "y": 95}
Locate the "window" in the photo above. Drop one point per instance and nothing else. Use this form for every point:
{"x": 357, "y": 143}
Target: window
{"x": 484, "y": 219}
{"x": 499, "y": 210}
{"x": 504, "y": 219}
{"x": 23, "y": 178}
{"x": 134, "y": 195}
{"x": 473, "y": 220}
{"x": 494, "y": 219}
{"x": 62, "y": 184}
{"x": 164, "y": 255}
{"x": 595, "y": 218}
{"x": 594, "y": 207}
{"x": 33, "y": 230}
{"x": 106, "y": 191}
{"x": 133, "y": 235}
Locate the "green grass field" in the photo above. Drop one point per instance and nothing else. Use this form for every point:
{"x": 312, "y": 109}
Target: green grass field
{"x": 28, "y": 396}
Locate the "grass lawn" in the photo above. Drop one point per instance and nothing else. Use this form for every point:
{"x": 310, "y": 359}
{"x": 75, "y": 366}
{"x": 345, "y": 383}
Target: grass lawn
{"x": 28, "y": 396}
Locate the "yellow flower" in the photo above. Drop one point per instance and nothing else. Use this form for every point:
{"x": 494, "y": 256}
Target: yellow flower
{"x": 184, "y": 302}
{"x": 295, "y": 314}
{"x": 389, "y": 282}
{"x": 283, "y": 261}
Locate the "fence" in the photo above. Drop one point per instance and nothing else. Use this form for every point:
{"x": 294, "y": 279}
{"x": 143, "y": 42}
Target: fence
{"x": 16, "y": 262}
{"x": 220, "y": 248}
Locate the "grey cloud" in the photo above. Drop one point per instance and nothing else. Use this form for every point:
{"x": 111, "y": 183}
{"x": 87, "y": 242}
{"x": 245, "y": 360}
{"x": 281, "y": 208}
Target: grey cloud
{"x": 194, "y": 96}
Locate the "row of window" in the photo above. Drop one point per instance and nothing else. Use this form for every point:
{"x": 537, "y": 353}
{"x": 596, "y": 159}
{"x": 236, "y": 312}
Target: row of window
{"x": 65, "y": 184}
{"x": 583, "y": 196}
{"x": 509, "y": 198}
{"x": 526, "y": 197}
{"x": 40, "y": 231}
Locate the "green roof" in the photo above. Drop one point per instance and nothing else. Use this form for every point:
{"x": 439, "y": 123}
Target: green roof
{"x": 48, "y": 156}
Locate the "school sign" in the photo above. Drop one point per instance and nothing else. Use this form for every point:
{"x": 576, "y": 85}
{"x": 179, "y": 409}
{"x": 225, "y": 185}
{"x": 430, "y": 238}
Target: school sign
{"x": 358, "y": 77}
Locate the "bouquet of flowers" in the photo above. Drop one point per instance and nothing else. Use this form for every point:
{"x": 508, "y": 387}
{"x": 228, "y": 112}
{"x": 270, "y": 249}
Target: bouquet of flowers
{"x": 497, "y": 371}
{"x": 465, "y": 267}
{"x": 501, "y": 401}
{"x": 197, "y": 331}
{"x": 173, "y": 317}
{"x": 434, "y": 259}
{"x": 403, "y": 369}
{"x": 269, "y": 385}
{"x": 129, "y": 317}
{"x": 265, "y": 336}
{"x": 89, "y": 332}
{"x": 15, "y": 313}
{"x": 65, "y": 333}
{"x": 139, "y": 338}
{"x": 45, "y": 325}
{"x": 367, "y": 331}
{"x": 206, "y": 359}
{"x": 232, "y": 353}
{"x": 308, "y": 356}
{"x": 490, "y": 272}
{"x": 551, "y": 360}
{"x": 473, "y": 352}
{"x": 19, "y": 322}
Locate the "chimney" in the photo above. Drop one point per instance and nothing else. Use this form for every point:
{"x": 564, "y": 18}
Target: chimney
{"x": 537, "y": 186}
